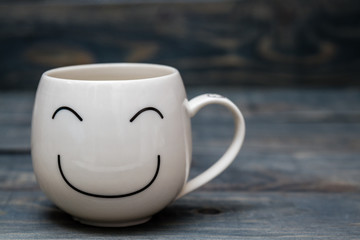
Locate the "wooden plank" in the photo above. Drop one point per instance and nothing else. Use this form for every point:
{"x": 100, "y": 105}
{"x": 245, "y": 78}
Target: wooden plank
{"x": 276, "y": 119}
{"x": 310, "y": 154}
{"x": 252, "y": 171}
{"x": 267, "y": 43}
{"x": 16, "y": 173}
{"x": 200, "y": 215}
{"x": 296, "y": 141}
{"x": 15, "y": 121}
{"x": 257, "y": 104}
{"x": 296, "y": 177}
{"x": 270, "y": 137}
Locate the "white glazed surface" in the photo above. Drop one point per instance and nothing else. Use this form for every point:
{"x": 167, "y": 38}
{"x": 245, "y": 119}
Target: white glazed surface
{"x": 106, "y": 154}
{"x": 100, "y": 158}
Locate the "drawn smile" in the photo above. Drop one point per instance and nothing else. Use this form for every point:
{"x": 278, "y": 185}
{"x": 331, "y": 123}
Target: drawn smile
{"x": 110, "y": 196}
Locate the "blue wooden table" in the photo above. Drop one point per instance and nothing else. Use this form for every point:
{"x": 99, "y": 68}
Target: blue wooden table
{"x": 297, "y": 176}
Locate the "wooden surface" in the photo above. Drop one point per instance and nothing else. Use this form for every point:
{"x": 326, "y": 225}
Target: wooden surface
{"x": 233, "y": 42}
{"x": 297, "y": 176}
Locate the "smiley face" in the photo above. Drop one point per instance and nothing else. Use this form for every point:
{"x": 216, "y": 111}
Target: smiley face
{"x": 111, "y": 143}
{"x": 96, "y": 195}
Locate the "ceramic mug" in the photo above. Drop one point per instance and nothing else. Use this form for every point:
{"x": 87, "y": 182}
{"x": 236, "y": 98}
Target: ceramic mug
{"x": 111, "y": 143}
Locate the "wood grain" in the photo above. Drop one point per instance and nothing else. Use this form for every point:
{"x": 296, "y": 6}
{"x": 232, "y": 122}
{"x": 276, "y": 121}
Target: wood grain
{"x": 297, "y": 140}
{"x": 200, "y": 215}
{"x": 297, "y": 176}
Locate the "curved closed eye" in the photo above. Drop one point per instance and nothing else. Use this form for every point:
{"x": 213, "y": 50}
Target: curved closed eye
{"x": 146, "y": 109}
{"x": 69, "y": 109}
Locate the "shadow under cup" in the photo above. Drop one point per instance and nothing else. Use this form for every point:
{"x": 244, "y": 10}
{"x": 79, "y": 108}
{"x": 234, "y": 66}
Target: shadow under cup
{"x": 111, "y": 143}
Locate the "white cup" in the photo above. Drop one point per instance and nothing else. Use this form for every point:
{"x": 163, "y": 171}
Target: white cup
{"x": 111, "y": 143}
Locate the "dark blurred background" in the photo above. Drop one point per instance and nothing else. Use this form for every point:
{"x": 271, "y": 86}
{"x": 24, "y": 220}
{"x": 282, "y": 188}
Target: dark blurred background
{"x": 266, "y": 43}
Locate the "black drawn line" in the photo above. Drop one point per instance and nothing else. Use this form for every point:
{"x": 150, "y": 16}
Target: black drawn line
{"x": 110, "y": 196}
{"x": 69, "y": 109}
{"x": 146, "y": 109}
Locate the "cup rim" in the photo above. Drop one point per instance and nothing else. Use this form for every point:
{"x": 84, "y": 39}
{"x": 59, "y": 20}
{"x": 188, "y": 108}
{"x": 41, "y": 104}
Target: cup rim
{"x": 55, "y": 72}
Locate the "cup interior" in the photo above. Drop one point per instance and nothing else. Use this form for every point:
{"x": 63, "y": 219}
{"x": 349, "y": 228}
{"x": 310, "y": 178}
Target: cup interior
{"x": 111, "y": 72}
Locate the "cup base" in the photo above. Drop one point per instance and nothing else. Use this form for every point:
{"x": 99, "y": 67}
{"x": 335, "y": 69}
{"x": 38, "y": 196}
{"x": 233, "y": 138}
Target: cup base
{"x": 112, "y": 224}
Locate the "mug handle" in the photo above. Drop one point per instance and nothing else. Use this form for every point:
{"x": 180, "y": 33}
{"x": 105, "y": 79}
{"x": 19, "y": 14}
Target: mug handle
{"x": 194, "y": 105}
